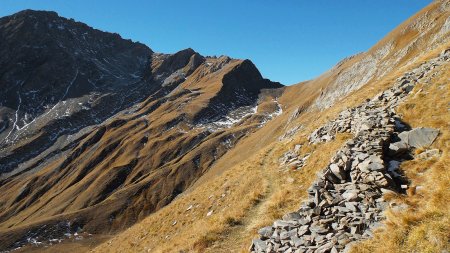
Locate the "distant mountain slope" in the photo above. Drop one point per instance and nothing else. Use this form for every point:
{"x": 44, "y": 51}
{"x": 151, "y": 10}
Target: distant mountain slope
{"x": 98, "y": 131}
{"x": 58, "y": 76}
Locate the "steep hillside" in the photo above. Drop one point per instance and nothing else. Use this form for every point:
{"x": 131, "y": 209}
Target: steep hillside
{"x": 213, "y": 216}
{"x": 164, "y": 120}
{"x": 58, "y": 76}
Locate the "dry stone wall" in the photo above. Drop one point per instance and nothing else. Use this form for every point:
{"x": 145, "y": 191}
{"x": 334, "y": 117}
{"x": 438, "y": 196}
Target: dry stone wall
{"x": 346, "y": 201}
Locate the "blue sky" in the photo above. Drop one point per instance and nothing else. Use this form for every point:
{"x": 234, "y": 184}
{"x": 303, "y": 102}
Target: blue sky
{"x": 289, "y": 41}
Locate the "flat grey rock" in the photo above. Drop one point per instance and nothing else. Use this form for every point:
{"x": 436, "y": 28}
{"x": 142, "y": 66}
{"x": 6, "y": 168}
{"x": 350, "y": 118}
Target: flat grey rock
{"x": 292, "y": 216}
{"x": 259, "y": 245}
{"x": 419, "y": 137}
{"x": 398, "y": 147}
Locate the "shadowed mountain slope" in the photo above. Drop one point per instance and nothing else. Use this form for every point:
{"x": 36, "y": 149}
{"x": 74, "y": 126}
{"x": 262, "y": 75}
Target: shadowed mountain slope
{"x": 117, "y": 132}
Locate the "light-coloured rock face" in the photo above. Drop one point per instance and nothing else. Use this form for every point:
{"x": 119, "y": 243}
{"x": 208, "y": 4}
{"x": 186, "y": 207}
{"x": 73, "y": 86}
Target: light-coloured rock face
{"x": 346, "y": 202}
{"x": 387, "y": 55}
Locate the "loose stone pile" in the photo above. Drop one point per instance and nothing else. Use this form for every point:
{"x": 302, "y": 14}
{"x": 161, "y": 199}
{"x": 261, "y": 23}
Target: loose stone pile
{"x": 293, "y": 159}
{"x": 345, "y": 203}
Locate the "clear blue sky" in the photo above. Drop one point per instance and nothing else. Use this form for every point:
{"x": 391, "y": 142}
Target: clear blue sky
{"x": 289, "y": 41}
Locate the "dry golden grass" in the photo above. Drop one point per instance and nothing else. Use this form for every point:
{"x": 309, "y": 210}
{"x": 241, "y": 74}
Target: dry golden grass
{"x": 194, "y": 230}
{"x": 425, "y": 225}
{"x": 259, "y": 194}
{"x": 255, "y": 193}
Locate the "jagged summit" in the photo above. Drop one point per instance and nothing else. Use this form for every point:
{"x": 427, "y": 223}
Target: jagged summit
{"x": 33, "y": 14}
{"x": 41, "y": 21}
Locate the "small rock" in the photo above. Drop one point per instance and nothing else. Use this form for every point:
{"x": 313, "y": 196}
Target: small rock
{"x": 258, "y": 245}
{"x": 265, "y": 232}
{"x": 319, "y": 229}
{"x": 292, "y": 216}
{"x": 302, "y": 230}
{"x": 297, "y": 241}
{"x": 351, "y": 196}
{"x": 281, "y": 224}
{"x": 428, "y": 154}
{"x": 351, "y": 206}
{"x": 398, "y": 148}
{"x": 325, "y": 248}
{"x": 337, "y": 171}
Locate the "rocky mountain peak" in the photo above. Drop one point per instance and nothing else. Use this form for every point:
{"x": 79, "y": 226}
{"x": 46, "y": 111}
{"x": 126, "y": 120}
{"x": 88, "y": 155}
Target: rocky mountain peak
{"x": 37, "y": 22}
{"x": 34, "y": 15}
{"x": 69, "y": 90}
{"x": 167, "y": 63}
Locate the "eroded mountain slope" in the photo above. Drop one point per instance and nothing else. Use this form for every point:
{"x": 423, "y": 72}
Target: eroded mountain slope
{"x": 103, "y": 177}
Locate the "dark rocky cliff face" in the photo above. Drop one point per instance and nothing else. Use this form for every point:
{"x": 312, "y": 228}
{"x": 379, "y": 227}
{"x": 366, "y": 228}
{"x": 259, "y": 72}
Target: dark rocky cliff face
{"x": 241, "y": 87}
{"x": 57, "y": 76}
{"x": 49, "y": 59}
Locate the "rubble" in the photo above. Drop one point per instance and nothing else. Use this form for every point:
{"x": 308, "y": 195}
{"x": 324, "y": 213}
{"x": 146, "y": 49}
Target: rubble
{"x": 346, "y": 201}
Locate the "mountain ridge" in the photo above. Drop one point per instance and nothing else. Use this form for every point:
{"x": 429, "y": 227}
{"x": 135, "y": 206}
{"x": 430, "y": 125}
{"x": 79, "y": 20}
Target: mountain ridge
{"x": 76, "y": 154}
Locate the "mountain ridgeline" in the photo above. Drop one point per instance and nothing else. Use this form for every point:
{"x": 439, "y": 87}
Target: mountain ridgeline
{"x": 101, "y": 131}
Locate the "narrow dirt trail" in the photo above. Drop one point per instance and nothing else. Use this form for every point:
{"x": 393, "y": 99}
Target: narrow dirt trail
{"x": 238, "y": 237}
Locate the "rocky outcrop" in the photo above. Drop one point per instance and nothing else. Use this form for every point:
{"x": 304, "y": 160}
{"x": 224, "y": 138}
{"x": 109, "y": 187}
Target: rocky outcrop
{"x": 419, "y": 137}
{"x": 354, "y": 72}
{"x": 58, "y": 76}
{"x": 241, "y": 87}
{"x": 346, "y": 202}
{"x": 292, "y": 159}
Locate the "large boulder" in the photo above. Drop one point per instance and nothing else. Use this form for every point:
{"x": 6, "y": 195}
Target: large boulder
{"x": 419, "y": 137}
